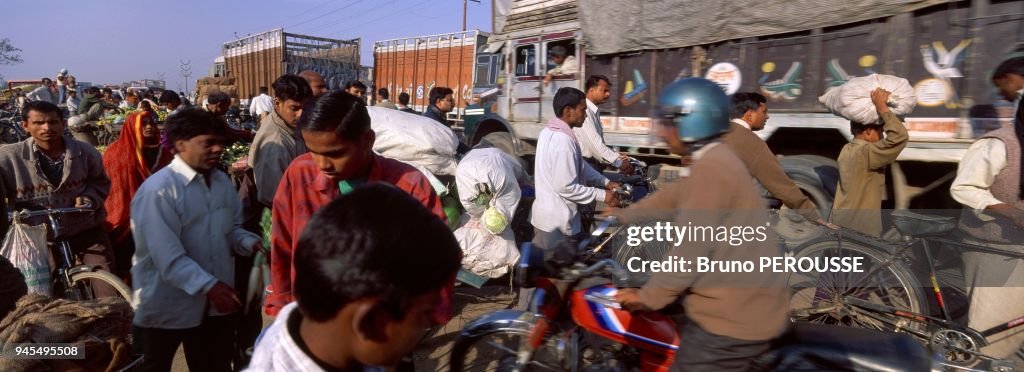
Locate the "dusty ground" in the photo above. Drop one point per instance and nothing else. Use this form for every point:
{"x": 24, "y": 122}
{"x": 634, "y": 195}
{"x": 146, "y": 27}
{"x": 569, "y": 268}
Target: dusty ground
{"x": 432, "y": 354}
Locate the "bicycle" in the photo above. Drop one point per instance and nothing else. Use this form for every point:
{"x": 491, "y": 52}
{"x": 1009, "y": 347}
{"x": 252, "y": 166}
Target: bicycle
{"x": 71, "y": 281}
{"x": 10, "y": 128}
{"x": 887, "y": 296}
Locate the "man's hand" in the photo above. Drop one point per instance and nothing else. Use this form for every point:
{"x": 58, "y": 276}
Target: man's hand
{"x": 612, "y": 186}
{"x": 630, "y": 299}
{"x": 880, "y": 98}
{"x": 259, "y": 247}
{"x": 822, "y": 222}
{"x": 223, "y": 298}
{"x": 547, "y": 80}
{"x": 83, "y": 202}
{"x": 625, "y": 166}
{"x": 612, "y": 199}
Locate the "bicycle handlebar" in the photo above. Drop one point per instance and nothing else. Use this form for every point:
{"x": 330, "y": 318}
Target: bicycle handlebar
{"x": 25, "y": 213}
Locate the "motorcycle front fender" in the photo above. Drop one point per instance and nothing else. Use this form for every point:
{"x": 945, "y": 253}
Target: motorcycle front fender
{"x": 499, "y": 321}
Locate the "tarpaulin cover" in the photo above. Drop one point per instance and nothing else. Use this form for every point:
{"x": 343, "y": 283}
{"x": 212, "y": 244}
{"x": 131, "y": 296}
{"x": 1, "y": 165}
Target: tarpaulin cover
{"x": 615, "y": 26}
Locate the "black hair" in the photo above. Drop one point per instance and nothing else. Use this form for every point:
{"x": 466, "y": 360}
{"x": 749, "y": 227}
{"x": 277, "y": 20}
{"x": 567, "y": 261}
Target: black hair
{"x": 438, "y": 93}
{"x": 216, "y": 98}
{"x": 169, "y": 96}
{"x": 383, "y": 93}
{"x": 355, "y": 83}
{"x": 1011, "y": 66}
{"x": 403, "y": 98}
{"x": 567, "y": 97}
{"x": 338, "y": 112}
{"x": 292, "y": 87}
{"x": 594, "y": 81}
{"x": 263, "y": 90}
{"x": 745, "y": 101}
{"x": 41, "y": 107}
{"x": 46, "y": 80}
{"x": 108, "y": 90}
{"x": 858, "y": 128}
{"x": 192, "y": 122}
{"x": 377, "y": 241}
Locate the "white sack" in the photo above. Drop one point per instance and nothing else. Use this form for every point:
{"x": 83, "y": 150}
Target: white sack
{"x": 486, "y": 254}
{"x": 496, "y": 169}
{"x": 852, "y": 100}
{"x": 414, "y": 139}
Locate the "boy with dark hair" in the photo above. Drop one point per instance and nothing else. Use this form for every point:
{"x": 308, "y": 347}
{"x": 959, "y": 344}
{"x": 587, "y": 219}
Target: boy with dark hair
{"x": 442, "y": 101}
{"x": 1009, "y": 79}
{"x": 52, "y": 170}
{"x": 336, "y": 130}
{"x": 278, "y": 142}
{"x": 366, "y": 289}
{"x": 187, "y": 223}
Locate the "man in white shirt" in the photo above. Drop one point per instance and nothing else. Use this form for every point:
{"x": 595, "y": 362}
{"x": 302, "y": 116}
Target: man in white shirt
{"x": 44, "y": 93}
{"x": 261, "y": 105}
{"x": 990, "y": 185}
{"x": 561, "y": 175}
{"x": 187, "y": 224}
{"x": 567, "y": 64}
{"x": 365, "y": 290}
{"x": 591, "y": 133}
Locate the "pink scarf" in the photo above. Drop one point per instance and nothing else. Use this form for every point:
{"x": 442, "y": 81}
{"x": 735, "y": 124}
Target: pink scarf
{"x": 557, "y": 125}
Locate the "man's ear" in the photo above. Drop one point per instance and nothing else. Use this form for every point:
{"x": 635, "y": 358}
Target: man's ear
{"x": 369, "y": 137}
{"x": 370, "y": 321}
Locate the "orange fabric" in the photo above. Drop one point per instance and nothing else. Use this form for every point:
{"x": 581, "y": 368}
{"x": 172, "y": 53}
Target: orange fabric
{"x": 127, "y": 169}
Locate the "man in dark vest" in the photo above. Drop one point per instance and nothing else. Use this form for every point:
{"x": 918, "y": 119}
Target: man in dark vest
{"x": 990, "y": 185}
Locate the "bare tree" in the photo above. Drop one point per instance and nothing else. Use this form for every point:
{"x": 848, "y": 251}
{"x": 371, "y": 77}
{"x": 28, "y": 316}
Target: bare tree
{"x": 8, "y": 53}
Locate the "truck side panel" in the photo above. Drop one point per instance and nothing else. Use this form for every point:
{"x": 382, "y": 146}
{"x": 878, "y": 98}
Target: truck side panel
{"x": 415, "y": 65}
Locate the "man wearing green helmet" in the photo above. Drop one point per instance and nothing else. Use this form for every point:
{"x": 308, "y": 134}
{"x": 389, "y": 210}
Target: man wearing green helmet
{"x": 730, "y": 318}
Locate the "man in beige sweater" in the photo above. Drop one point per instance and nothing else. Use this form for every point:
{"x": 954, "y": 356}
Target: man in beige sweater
{"x": 862, "y": 165}
{"x": 749, "y": 113}
{"x": 731, "y": 317}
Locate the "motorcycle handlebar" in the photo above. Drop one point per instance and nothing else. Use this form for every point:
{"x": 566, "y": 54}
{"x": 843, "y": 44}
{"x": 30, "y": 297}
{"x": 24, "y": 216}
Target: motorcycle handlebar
{"x": 25, "y": 213}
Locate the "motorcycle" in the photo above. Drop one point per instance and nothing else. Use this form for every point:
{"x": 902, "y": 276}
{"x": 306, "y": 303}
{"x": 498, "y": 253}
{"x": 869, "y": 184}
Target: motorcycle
{"x": 587, "y": 330}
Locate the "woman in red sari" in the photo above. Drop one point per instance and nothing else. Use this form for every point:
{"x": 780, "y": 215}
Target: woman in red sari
{"x": 132, "y": 158}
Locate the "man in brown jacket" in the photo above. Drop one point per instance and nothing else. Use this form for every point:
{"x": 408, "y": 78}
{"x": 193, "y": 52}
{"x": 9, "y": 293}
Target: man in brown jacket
{"x": 732, "y": 317}
{"x": 749, "y": 113}
{"x": 862, "y": 165}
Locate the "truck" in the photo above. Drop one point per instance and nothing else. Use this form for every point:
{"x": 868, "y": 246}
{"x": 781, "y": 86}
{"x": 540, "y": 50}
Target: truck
{"x": 414, "y": 65}
{"x": 790, "y": 53}
{"x": 257, "y": 60}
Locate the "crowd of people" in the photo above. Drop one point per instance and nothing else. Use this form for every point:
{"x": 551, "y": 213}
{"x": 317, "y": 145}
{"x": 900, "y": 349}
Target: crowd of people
{"x": 362, "y": 259}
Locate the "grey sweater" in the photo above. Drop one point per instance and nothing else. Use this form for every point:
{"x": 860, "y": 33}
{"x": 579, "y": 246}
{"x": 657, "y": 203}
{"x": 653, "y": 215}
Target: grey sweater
{"x": 27, "y": 187}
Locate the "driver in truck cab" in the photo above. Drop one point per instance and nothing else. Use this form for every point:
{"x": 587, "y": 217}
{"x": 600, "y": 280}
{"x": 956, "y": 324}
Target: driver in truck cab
{"x": 730, "y": 318}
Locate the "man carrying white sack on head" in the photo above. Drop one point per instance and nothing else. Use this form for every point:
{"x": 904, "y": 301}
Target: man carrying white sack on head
{"x": 488, "y": 183}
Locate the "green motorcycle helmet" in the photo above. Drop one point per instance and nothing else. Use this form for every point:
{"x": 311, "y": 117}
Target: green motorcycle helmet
{"x": 697, "y": 107}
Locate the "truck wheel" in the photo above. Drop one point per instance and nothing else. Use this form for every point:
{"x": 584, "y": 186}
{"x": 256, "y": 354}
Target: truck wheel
{"x": 816, "y": 175}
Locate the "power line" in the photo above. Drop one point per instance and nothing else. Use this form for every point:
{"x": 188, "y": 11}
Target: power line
{"x": 326, "y": 14}
{"x": 296, "y": 15}
{"x": 406, "y": 10}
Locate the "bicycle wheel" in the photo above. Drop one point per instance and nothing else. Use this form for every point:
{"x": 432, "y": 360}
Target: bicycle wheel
{"x": 824, "y": 297}
{"x": 8, "y": 134}
{"x": 82, "y": 285}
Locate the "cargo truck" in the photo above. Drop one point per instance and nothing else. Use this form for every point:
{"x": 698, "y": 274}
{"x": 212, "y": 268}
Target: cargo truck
{"x": 791, "y": 54}
{"x": 257, "y": 60}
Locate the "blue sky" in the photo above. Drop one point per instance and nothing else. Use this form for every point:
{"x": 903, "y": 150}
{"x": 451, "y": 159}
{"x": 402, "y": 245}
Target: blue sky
{"x": 110, "y": 41}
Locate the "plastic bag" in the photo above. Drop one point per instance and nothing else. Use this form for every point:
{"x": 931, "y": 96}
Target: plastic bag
{"x": 486, "y": 254}
{"x": 25, "y": 247}
{"x": 852, "y": 100}
{"x": 414, "y": 139}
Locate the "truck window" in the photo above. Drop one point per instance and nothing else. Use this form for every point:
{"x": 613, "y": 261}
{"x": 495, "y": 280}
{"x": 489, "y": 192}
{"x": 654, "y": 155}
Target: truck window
{"x": 526, "y": 60}
{"x": 569, "y": 45}
{"x": 486, "y": 70}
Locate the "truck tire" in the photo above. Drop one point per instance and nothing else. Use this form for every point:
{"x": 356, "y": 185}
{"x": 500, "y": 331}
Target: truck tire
{"x": 816, "y": 175}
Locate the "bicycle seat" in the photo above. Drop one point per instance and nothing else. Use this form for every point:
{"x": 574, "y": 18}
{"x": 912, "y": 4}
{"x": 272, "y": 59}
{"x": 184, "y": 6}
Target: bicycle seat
{"x": 916, "y": 224}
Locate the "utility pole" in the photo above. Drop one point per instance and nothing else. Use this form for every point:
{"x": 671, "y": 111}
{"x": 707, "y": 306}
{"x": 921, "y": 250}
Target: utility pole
{"x": 464, "y": 2}
{"x": 186, "y": 71}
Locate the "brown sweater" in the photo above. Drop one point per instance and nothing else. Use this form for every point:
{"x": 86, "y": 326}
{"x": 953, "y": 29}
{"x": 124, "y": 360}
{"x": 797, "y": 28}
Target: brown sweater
{"x": 27, "y": 187}
{"x": 861, "y": 186}
{"x": 765, "y": 168}
{"x": 1006, "y": 188}
{"x": 718, "y": 192}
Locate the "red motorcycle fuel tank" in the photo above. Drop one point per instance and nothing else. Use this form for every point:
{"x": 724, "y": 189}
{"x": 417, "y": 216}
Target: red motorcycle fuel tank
{"x": 652, "y": 331}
